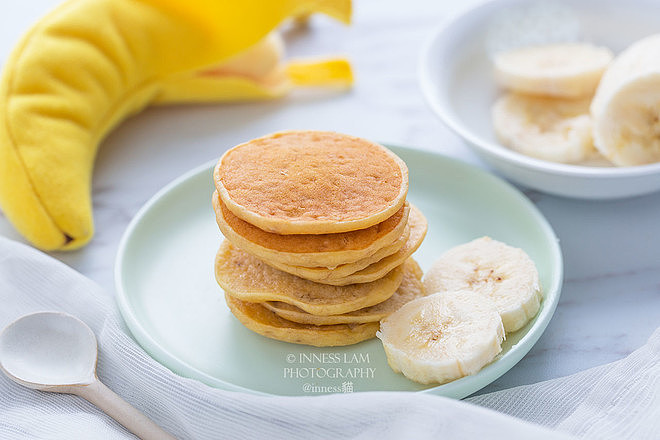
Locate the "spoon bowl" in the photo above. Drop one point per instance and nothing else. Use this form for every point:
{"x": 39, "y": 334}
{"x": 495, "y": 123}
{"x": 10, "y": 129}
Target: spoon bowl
{"x": 53, "y": 351}
{"x": 48, "y": 349}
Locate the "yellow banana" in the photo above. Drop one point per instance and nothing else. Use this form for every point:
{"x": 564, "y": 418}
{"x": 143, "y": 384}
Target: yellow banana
{"x": 90, "y": 63}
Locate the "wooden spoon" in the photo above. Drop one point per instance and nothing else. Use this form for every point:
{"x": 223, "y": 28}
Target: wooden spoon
{"x": 52, "y": 351}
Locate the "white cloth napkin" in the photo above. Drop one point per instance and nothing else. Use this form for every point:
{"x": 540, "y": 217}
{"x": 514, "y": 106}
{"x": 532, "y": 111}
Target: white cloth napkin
{"x": 619, "y": 400}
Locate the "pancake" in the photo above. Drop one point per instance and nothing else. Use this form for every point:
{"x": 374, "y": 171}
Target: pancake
{"x": 307, "y": 250}
{"x": 319, "y": 274}
{"x": 311, "y": 182}
{"x": 250, "y": 279}
{"x": 416, "y": 223}
{"x": 266, "y": 323}
{"x": 411, "y": 287}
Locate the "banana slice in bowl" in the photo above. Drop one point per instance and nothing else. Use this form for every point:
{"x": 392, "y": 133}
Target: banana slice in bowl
{"x": 626, "y": 107}
{"x": 557, "y": 130}
{"x": 569, "y": 70}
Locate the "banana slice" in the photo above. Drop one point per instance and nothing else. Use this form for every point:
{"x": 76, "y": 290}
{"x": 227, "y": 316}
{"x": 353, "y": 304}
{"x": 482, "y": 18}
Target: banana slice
{"x": 560, "y": 70}
{"x": 626, "y": 107}
{"x": 442, "y": 337}
{"x": 500, "y": 272}
{"x": 557, "y": 130}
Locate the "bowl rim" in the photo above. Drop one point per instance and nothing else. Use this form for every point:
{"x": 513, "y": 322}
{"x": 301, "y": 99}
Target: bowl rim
{"x": 495, "y": 149}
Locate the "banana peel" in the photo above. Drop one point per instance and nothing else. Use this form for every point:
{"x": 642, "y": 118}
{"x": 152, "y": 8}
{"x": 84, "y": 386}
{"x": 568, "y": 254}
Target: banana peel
{"x": 91, "y": 63}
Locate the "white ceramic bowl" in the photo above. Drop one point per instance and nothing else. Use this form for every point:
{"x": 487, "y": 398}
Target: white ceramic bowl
{"x": 456, "y": 77}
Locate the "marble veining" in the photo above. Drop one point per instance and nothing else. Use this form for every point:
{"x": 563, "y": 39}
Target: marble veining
{"x": 610, "y": 302}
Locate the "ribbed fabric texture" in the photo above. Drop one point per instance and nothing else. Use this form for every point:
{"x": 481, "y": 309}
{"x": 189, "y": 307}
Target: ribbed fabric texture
{"x": 615, "y": 401}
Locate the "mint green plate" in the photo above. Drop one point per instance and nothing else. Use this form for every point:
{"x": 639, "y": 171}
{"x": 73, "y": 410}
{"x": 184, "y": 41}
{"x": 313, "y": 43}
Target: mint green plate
{"x": 170, "y": 301}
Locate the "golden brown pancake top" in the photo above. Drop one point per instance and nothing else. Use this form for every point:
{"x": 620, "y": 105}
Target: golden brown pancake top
{"x": 290, "y": 182}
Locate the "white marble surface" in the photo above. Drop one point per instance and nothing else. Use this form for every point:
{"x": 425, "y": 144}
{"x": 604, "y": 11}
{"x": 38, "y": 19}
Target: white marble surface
{"x": 610, "y": 302}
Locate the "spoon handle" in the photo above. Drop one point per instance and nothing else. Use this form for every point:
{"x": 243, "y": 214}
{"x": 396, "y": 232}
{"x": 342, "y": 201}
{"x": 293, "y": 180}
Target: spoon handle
{"x": 122, "y": 411}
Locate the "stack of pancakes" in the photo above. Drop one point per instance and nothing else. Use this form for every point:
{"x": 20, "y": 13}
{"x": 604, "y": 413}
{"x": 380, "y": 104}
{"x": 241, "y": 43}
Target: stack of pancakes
{"x": 318, "y": 236}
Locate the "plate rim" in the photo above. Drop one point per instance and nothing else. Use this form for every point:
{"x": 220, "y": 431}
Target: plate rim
{"x": 455, "y": 389}
{"x": 138, "y": 333}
